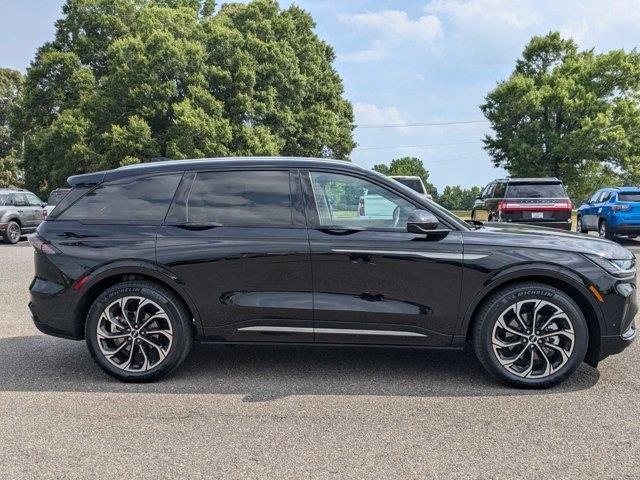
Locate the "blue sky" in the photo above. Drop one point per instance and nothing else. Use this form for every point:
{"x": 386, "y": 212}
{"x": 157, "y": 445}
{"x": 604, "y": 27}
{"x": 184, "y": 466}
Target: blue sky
{"x": 409, "y": 62}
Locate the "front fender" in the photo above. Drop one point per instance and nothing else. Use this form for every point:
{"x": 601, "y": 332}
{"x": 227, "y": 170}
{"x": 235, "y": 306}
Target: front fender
{"x": 535, "y": 271}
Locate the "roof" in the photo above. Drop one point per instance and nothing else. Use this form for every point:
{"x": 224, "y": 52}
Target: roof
{"x": 13, "y": 190}
{"x": 626, "y": 189}
{"x": 529, "y": 180}
{"x": 205, "y": 163}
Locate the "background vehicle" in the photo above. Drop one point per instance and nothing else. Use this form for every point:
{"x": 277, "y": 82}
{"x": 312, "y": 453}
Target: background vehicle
{"x": 534, "y": 201}
{"x": 54, "y": 198}
{"x": 274, "y": 251}
{"x": 20, "y": 212}
{"x": 610, "y": 212}
{"x": 414, "y": 183}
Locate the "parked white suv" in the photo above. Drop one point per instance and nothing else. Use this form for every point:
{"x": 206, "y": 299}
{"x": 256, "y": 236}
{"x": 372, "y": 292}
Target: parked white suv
{"x": 414, "y": 183}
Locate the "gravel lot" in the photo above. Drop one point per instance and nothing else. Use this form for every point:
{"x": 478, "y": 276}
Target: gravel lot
{"x": 294, "y": 412}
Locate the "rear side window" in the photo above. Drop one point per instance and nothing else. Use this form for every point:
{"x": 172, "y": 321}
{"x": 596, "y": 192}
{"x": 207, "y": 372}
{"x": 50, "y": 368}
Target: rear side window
{"x": 629, "y": 196}
{"x": 535, "y": 190}
{"x": 240, "y": 198}
{"x": 140, "y": 201}
{"x": 500, "y": 190}
{"x": 56, "y": 196}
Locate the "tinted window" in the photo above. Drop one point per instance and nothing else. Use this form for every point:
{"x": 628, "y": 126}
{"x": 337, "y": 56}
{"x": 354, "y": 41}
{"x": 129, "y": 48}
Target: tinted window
{"x": 351, "y": 202}
{"x": 412, "y": 183}
{"x": 488, "y": 191}
{"x": 499, "y": 190}
{"x": 142, "y": 201}
{"x": 535, "y": 190}
{"x": 629, "y": 196}
{"x": 56, "y": 196}
{"x": 240, "y": 198}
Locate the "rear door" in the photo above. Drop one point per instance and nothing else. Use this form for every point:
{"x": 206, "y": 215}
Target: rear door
{"x": 35, "y": 210}
{"x": 237, "y": 241}
{"x": 482, "y": 205}
{"x": 589, "y": 212}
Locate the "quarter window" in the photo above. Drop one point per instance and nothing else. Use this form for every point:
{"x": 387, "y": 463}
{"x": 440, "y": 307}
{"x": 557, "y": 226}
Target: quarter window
{"x": 140, "y": 201}
{"x": 240, "y": 198}
{"x": 350, "y": 202}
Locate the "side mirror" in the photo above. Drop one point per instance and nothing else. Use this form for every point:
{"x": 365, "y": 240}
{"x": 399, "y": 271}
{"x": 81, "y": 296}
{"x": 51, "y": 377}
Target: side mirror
{"x": 43, "y": 205}
{"x": 479, "y": 197}
{"x": 421, "y": 221}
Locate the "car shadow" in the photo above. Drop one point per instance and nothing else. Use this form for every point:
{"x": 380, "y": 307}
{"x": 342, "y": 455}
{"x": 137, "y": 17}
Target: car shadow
{"x": 263, "y": 373}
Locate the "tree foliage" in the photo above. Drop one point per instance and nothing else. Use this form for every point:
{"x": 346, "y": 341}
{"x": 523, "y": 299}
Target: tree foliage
{"x": 125, "y": 80}
{"x": 10, "y": 89}
{"x": 407, "y": 166}
{"x": 568, "y": 113}
{"x": 458, "y": 198}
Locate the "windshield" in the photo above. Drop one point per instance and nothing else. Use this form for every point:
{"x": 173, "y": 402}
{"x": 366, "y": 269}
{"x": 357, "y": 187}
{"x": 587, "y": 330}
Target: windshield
{"x": 629, "y": 196}
{"x": 535, "y": 190}
{"x": 412, "y": 183}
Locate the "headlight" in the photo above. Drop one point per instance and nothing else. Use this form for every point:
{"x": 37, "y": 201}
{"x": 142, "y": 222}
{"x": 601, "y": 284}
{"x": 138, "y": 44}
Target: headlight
{"x": 618, "y": 268}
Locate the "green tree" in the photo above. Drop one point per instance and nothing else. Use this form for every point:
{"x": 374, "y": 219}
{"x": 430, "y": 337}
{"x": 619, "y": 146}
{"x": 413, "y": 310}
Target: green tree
{"x": 407, "y": 166}
{"x": 10, "y": 90}
{"x": 126, "y": 80}
{"x": 568, "y": 113}
{"x": 458, "y": 198}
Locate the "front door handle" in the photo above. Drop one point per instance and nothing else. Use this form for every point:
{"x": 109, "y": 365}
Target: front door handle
{"x": 338, "y": 230}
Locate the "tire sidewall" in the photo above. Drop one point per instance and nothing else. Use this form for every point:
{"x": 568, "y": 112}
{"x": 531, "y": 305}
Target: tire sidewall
{"x": 8, "y": 237}
{"x": 176, "y": 318}
{"x": 556, "y": 297}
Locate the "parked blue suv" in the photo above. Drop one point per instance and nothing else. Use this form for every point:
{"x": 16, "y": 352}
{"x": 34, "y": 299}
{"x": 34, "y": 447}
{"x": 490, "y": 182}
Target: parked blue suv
{"x": 610, "y": 212}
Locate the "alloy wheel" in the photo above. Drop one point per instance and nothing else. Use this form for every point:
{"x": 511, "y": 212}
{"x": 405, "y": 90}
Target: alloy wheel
{"x": 533, "y": 338}
{"x": 134, "y": 334}
{"x": 13, "y": 232}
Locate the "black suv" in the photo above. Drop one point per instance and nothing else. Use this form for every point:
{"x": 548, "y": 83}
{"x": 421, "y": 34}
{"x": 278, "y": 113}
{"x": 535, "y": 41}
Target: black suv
{"x": 143, "y": 260}
{"x": 534, "y": 201}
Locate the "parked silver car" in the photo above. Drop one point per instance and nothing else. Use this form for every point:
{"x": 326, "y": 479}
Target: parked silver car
{"x": 20, "y": 212}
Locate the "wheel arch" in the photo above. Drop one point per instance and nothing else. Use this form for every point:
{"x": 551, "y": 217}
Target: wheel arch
{"x": 99, "y": 282}
{"x": 572, "y": 287}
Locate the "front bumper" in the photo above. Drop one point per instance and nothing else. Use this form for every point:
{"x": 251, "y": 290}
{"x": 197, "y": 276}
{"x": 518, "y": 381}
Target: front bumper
{"x": 610, "y": 345}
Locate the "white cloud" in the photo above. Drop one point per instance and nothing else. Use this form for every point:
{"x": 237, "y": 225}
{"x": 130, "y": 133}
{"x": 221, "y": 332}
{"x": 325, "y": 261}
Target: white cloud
{"x": 392, "y": 27}
{"x": 370, "y": 114}
{"x": 488, "y": 15}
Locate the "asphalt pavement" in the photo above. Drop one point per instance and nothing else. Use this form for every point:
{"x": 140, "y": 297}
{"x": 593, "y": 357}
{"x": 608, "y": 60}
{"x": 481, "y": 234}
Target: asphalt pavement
{"x": 293, "y": 412}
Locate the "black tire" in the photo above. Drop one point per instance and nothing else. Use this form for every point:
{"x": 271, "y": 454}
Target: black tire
{"x": 177, "y": 316}
{"x": 499, "y": 302}
{"x": 603, "y": 230}
{"x": 580, "y": 225}
{"x": 13, "y": 232}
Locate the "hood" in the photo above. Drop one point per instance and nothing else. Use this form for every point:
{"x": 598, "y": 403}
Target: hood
{"x": 518, "y": 235}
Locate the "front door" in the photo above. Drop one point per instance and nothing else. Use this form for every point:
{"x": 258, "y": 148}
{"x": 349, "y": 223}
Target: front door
{"x": 237, "y": 241}
{"x": 375, "y": 283}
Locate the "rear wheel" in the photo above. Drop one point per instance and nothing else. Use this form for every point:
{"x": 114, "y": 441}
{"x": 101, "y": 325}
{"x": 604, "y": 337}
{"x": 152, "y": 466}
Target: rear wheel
{"x": 603, "y": 230}
{"x": 138, "y": 331}
{"x": 13, "y": 233}
{"x": 530, "y": 335}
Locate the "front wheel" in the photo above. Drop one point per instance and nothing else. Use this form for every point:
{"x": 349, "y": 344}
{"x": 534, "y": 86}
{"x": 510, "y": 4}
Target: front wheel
{"x": 138, "y": 331}
{"x": 13, "y": 233}
{"x": 530, "y": 335}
